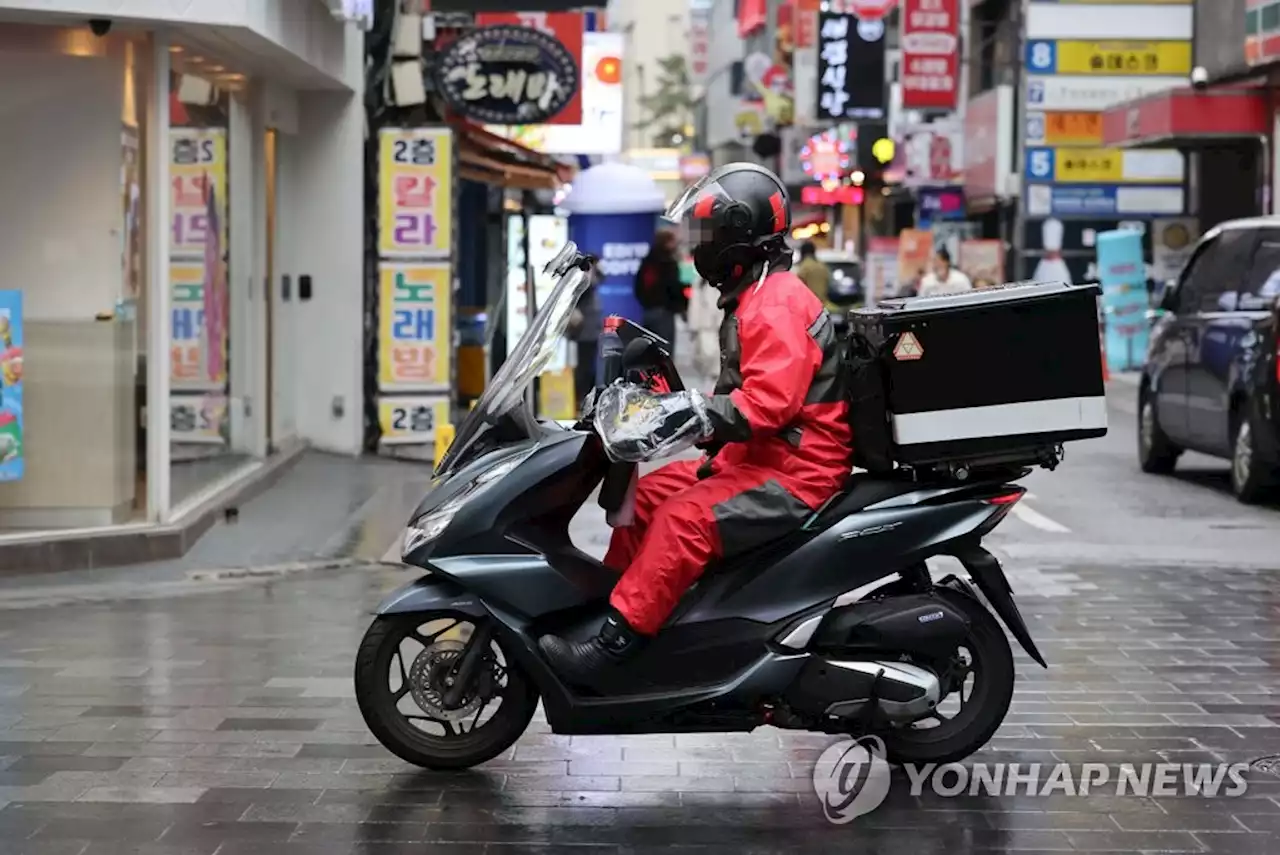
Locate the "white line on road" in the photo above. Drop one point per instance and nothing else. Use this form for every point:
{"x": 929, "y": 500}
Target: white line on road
{"x": 1038, "y": 520}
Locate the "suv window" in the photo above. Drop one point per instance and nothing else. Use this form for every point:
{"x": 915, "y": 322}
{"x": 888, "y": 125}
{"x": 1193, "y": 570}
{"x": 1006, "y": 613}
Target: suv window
{"x": 1261, "y": 285}
{"x": 1211, "y": 280}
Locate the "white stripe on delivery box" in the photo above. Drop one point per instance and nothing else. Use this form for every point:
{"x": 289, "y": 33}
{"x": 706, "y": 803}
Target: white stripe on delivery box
{"x": 1030, "y": 417}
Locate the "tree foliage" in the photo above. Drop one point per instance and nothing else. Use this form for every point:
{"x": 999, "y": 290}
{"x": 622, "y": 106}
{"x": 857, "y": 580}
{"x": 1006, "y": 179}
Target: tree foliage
{"x": 667, "y": 108}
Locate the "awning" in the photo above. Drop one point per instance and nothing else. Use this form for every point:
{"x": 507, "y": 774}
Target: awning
{"x": 1188, "y": 118}
{"x": 487, "y": 158}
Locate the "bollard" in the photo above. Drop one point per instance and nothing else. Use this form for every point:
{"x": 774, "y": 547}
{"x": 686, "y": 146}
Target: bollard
{"x": 444, "y": 438}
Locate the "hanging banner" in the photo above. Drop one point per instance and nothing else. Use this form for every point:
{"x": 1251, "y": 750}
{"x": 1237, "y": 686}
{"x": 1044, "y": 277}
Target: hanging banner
{"x": 199, "y": 419}
{"x": 414, "y": 341}
{"x": 12, "y": 460}
{"x": 699, "y": 48}
{"x": 198, "y": 163}
{"x": 411, "y": 420}
{"x": 190, "y": 365}
{"x": 415, "y": 192}
{"x": 930, "y": 54}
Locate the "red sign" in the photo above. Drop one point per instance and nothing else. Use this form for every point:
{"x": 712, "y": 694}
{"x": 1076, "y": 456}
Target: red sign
{"x": 806, "y": 28}
{"x": 752, "y": 16}
{"x": 1224, "y": 113}
{"x": 567, "y": 29}
{"x": 699, "y": 48}
{"x": 844, "y": 195}
{"x": 870, "y": 10}
{"x": 983, "y": 127}
{"x": 930, "y": 54}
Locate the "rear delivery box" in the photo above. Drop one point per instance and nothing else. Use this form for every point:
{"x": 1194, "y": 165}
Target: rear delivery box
{"x": 989, "y": 375}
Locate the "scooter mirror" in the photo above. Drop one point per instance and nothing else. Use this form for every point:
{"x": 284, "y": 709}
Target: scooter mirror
{"x": 563, "y": 260}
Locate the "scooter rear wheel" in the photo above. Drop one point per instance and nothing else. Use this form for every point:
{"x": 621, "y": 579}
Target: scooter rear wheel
{"x": 982, "y": 703}
{"x": 401, "y": 671}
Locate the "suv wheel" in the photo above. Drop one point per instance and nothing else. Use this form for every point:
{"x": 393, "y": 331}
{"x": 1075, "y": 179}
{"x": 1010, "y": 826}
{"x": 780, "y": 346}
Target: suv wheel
{"x": 1251, "y": 479}
{"x": 1156, "y": 453}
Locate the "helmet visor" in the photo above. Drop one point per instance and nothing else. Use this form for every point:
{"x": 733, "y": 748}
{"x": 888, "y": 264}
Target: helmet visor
{"x": 694, "y": 212}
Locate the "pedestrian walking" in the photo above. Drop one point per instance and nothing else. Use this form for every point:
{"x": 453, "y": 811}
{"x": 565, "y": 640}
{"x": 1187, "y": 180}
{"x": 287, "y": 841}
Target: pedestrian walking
{"x": 944, "y": 278}
{"x": 813, "y": 273}
{"x": 659, "y": 289}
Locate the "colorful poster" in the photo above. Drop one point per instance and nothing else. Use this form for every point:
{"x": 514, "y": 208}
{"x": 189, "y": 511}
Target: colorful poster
{"x": 198, "y": 164}
{"x": 415, "y": 192}
{"x": 412, "y": 420}
{"x": 12, "y": 462}
{"x": 1122, "y": 272}
{"x": 880, "y": 278}
{"x": 131, "y": 193}
{"x": 199, "y": 419}
{"x": 415, "y": 345}
{"x": 982, "y": 261}
{"x": 915, "y": 249}
{"x": 190, "y": 366}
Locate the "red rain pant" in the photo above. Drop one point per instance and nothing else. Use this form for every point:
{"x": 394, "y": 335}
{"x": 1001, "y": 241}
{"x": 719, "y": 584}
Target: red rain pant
{"x": 682, "y": 524}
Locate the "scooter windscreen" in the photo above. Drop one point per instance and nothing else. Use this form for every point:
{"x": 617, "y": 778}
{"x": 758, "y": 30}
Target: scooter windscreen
{"x": 505, "y": 393}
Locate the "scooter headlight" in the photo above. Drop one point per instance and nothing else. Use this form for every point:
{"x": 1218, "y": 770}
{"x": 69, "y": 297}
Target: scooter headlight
{"x": 432, "y": 524}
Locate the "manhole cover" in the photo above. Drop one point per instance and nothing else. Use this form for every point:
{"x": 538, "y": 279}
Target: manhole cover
{"x": 1269, "y": 764}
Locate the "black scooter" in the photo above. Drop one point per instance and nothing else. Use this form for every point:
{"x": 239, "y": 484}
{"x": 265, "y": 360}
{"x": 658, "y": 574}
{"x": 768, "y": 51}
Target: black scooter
{"x": 837, "y": 628}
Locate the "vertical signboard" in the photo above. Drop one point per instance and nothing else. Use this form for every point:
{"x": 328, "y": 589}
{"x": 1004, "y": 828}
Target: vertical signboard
{"x": 851, "y": 68}
{"x": 12, "y": 463}
{"x": 699, "y": 47}
{"x": 930, "y": 54}
{"x": 1080, "y": 62}
{"x": 415, "y": 190}
{"x": 415, "y": 344}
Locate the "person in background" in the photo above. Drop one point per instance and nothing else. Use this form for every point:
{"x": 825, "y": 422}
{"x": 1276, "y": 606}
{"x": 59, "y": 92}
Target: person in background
{"x": 659, "y": 289}
{"x": 584, "y": 327}
{"x": 943, "y": 279}
{"x": 814, "y": 273}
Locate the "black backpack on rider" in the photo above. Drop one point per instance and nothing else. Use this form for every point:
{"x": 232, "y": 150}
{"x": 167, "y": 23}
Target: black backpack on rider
{"x": 866, "y": 381}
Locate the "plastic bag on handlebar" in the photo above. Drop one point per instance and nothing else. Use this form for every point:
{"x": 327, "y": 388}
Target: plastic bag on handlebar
{"x": 636, "y": 425}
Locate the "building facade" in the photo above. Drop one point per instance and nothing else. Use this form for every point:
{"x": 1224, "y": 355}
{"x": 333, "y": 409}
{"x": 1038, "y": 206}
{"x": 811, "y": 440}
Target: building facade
{"x": 183, "y": 254}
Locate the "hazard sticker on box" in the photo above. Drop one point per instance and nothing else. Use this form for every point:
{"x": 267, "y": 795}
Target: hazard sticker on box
{"x": 908, "y": 348}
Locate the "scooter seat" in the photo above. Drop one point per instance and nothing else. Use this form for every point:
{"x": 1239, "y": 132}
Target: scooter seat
{"x": 861, "y": 491}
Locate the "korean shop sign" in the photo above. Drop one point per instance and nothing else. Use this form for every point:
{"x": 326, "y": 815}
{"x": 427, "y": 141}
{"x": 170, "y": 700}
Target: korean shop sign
{"x": 930, "y": 54}
{"x": 507, "y": 75}
{"x": 851, "y": 72}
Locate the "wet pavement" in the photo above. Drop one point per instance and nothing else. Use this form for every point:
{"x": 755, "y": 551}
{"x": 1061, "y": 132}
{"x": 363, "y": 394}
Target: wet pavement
{"x": 174, "y": 709}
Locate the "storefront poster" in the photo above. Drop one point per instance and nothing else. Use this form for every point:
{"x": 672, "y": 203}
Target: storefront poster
{"x": 198, "y": 419}
{"x": 411, "y": 420}
{"x": 1125, "y": 300}
{"x": 557, "y": 399}
{"x": 1172, "y": 242}
{"x": 190, "y": 366}
{"x": 982, "y": 261}
{"x": 415, "y": 347}
{"x": 880, "y": 270}
{"x": 915, "y": 249}
{"x": 131, "y": 193}
{"x": 415, "y": 192}
{"x": 12, "y": 462}
{"x": 198, "y": 163}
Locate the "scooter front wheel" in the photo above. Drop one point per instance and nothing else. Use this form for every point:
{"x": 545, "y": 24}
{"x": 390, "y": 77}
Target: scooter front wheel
{"x": 403, "y": 675}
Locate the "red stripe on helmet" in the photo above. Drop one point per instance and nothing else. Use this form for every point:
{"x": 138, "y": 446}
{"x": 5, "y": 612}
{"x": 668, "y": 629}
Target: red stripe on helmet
{"x": 704, "y": 206}
{"x": 779, "y": 212}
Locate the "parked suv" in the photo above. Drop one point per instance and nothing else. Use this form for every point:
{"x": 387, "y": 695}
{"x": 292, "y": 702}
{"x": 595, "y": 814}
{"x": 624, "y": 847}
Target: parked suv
{"x": 1211, "y": 382}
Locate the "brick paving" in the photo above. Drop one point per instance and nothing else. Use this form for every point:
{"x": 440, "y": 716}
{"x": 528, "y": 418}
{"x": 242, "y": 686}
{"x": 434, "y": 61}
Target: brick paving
{"x": 224, "y": 723}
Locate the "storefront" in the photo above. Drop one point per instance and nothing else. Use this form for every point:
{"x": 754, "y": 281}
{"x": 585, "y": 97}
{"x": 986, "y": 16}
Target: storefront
{"x": 182, "y": 260}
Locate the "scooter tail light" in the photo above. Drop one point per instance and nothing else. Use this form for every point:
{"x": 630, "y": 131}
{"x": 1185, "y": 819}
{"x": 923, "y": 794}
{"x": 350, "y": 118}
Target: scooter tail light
{"x": 1006, "y": 499}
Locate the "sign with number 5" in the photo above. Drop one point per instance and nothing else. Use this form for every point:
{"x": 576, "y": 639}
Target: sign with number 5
{"x": 1040, "y": 164}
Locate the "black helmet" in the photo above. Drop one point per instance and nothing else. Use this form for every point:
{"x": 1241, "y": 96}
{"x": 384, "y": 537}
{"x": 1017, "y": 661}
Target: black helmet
{"x": 733, "y": 219}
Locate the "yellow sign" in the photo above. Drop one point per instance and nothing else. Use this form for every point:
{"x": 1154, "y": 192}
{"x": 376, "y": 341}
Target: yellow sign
{"x": 189, "y": 348}
{"x": 556, "y": 396}
{"x": 197, "y": 167}
{"x": 1124, "y": 58}
{"x": 1089, "y": 165}
{"x": 415, "y": 349}
{"x": 413, "y": 420}
{"x": 1066, "y": 129}
{"x": 415, "y": 192}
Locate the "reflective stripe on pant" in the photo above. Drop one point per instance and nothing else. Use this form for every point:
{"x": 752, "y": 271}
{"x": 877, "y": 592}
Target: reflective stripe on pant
{"x": 683, "y": 524}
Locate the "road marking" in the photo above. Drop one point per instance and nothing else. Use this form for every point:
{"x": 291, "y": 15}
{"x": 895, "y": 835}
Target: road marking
{"x": 1038, "y": 520}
